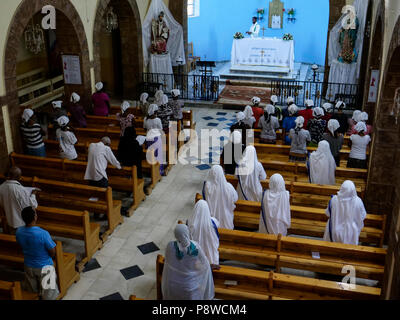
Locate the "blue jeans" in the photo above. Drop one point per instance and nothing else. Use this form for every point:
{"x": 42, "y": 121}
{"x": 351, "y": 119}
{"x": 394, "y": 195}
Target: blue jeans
{"x": 39, "y": 152}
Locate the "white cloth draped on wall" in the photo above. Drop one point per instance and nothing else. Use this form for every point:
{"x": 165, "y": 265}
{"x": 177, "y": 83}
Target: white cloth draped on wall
{"x": 343, "y": 72}
{"x": 175, "y": 44}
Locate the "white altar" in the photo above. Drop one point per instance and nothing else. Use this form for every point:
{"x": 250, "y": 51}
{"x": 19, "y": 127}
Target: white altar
{"x": 162, "y": 65}
{"x": 268, "y": 53}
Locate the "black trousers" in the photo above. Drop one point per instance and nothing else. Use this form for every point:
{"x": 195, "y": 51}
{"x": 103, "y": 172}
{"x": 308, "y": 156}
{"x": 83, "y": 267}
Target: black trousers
{"x": 103, "y": 183}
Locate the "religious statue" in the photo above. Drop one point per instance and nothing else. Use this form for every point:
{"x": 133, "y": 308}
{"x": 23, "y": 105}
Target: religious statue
{"x": 347, "y": 40}
{"x": 159, "y": 35}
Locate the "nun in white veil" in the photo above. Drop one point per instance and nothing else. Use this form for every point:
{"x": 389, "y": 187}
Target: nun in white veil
{"x": 322, "y": 165}
{"x": 275, "y": 208}
{"x": 204, "y": 230}
{"x": 221, "y": 197}
{"x": 250, "y": 173}
{"x": 187, "y": 273}
{"x": 346, "y": 213}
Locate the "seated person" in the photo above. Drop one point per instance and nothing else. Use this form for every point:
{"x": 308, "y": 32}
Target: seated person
{"x": 176, "y": 106}
{"x": 278, "y": 109}
{"x": 335, "y": 139}
{"x": 275, "y": 208}
{"x": 258, "y": 112}
{"x": 249, "y": 117}
{"x": 32, "y": 134}
{"x": 101, "y": 101}
{"x": 316, "y": 126}
{"x": 67, "y": 139}
{"x": 268, "y": 124}
{"x": 300, "y": 138}
{"x": 359, "y": 143}
{"x": 289, "y": 123}
{"x": 78, "y": 114}
{"x": 165, "y": 113}
{"x": 363, "y": 117}
{"x": 187, "y": 274}
{"x": 130, "y": 151}
{"x": 204, "y": 231}
{"x": 144, "y": 105}
{"x": 351, "y": 122}
{"x": 327, "y": 107}
{"x": 221, "y": 197}
{"x": 285, "y": 111}
{"x": 250, "y": 173}
{"x": 126, "y": 118}
{"x": 241, "y": 126}
{"x": 39, "y": 250}
{"x": 307, "y": 113}
{"x": 58, "y": 111}
{"x": 346, "y": 213}
{"x": 232, "y": 153}
{"x": 341, "y": 117}
{"x": 322, "y": 166}
{"x": 158, "y": 96}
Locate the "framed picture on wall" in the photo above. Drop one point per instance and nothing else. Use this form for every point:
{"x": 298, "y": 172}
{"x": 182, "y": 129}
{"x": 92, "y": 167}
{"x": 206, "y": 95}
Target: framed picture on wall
{"x": 71, "y": 69}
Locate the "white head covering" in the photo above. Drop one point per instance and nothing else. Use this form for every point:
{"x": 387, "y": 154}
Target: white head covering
{"x": 361, "y": 126}
{"x": 340, "y": 104}
{"x": 289, "y": 100}
{"x": 248, "y": 172}
{"x": 240, "y": 116}
{"x": 125, "y": 106}
{"x": 143, "y": 97}
{"x": 99, "y": 86}
{"x": 275, "y": 205}
{"x": 364, "y": 117}
{"x": 333, "y": 125}
{"x": 236, "y": 137}
{"x": 158, "y": 97}
{"x": 318, "y": 112}
{"x": 62, "y": 121}
{"x": 293, "y": 109}
{"x": 299, "y": 122}
{"x": 274, "y": 99}
{"x": 322, "y": 165}
{"x": 75, "y": 97}
{"x": 356, "y": 115}
{"x": 176, "y": 93}
{"x": 255, "y": 100}
{"x": 248, "y": 112}
{"x": 182, "y": 236}
{"x": 57, "y": 104}
{"x": 309, "y": 103}
{"x": 27, "y": 114}
{"x": 152, "y": 109}
{"x": 204, "y": 230}
{"x": 346, "y": 213}
{"x": 220, "y": 196}
{"x": 270, "y": 109}
{"x": 164, "y": 99}
{"x": 327, "y": 107}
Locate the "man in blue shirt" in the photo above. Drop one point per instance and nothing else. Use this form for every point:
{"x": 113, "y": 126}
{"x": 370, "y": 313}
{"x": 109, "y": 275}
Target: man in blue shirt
{"x": 38, "y": 249}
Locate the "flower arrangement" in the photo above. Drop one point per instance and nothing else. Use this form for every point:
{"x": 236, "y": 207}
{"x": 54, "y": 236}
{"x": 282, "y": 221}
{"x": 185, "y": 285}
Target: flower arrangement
{"x": 261, "y": 11}
{"x": 238, "y": 35}
{"x": 291, "y": 12}
{"x": 287, "y": 37}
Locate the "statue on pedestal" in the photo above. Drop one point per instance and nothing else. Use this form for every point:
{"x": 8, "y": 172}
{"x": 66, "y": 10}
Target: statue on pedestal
{"x": 347, "y": 40}
{"x": 159, "y": 35}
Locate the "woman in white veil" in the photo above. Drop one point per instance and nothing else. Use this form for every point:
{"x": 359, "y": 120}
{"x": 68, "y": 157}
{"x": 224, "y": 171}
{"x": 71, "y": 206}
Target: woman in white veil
{"x": 322, "y": 165}
{"x": 204, "y": 230}
{"x": 187, "y": 273}
{"x": 275, "y": 208}
{"x": 346, "y": 214}
{"x": 250, "y": 173}
{"x": 220, "y": 196}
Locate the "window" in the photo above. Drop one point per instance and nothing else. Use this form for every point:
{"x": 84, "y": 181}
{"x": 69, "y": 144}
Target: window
{"x": 193, "y": 8}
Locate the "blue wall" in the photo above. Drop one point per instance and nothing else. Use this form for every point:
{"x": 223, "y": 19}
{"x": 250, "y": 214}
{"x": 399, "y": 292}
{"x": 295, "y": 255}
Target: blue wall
{"x": 212, "y": 32}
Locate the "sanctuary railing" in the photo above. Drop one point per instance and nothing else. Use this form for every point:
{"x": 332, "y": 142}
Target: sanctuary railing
{"x": 192, "y": 87}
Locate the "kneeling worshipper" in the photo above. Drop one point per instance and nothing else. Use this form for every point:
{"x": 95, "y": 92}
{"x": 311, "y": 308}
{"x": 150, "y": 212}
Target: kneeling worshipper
{"x": 300, "y": 138}
{"x": 221, "y": 197}
{"x": 359, "y": 144}
{"x": 130, "y": 150}
{"x": 322, "y": 165}
{"x": 335, "y": 139}
{"x": 307, "y": 113}
{"x": 14, "y": 197}
{"x": 144, "y": 105}
{"x": 249, "y": 117}
{"x": 67, "y": 139}
{"x": 268, "y": 124}
{"x": 250, "y": 172}
{"x": 346, "y": 213}
{"x": 101, "y": 101}
{"x": 204, "y": 230}
{"x": 232, "y": 153}
{"x": 289, "y": 123}
{"x": 125, "y": 118}
{"x": 78, "y": 114}
{"x": 241, "y": 126}
{"x": 258, "y": 112}
{"x": 187, "y": 274}
{"x": 316, "y": 126}
{"x": 275, "y": 208}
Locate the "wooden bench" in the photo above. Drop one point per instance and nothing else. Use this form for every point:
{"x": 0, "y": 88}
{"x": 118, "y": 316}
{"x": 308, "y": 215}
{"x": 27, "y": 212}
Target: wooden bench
{"x": 304, "y": 194}
{"x": 77, "y": 197}
{"x": 11, "y": 255}
{"x": 12, "y": 291}
{"x": 296, "y": 253}
{"x": 263, "y": 285}
{"x": 306, "y": 221}
{"x": 74, "y": 171}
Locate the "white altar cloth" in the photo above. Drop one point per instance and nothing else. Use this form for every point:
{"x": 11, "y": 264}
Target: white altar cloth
{"x": 267, "y": 52}
{"x": 161, "y": 63}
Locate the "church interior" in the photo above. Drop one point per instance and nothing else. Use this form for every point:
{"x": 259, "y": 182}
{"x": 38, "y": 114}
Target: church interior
{"x": 205, "y": 62}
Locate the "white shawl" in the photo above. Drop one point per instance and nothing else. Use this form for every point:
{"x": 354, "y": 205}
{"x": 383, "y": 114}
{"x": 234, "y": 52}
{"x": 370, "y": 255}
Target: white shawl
{"x": 322, "y": 165}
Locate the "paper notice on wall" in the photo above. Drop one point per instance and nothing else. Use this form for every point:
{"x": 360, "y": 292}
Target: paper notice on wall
{"x": 373, "y": 86}
{"x": 72, "y": 69}
{"x": 276, "y": 22}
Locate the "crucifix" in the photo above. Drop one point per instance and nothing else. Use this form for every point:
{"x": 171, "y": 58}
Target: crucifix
{"x": 262, "y": 53}
{"x": 263, "y": 30}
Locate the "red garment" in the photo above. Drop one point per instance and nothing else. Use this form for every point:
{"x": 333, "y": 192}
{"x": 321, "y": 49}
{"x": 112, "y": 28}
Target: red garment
{"x": 258, "y": 113}
{"x": 327, "y": 117}
{"x": 353, "y": 130}
{"x": 307, "y": 114}
{"x": 100, "y": 107}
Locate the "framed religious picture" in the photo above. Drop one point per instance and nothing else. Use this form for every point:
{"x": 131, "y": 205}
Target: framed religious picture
{"x": 275, "y": 20}
{"x": 72, "y": 69}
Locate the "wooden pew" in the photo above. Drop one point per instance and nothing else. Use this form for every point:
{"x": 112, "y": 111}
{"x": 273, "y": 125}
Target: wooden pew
{"x": 263, "y": 285}
{"x": 13, "y": 291}
{"x": 306, "y": 221}
{"x": 296, "y": 253}
{"x": 11, "y": 255}
{"x": 74, "y": 171}
{"x": 77, "y": 197}
{"x": 304, "y": 194}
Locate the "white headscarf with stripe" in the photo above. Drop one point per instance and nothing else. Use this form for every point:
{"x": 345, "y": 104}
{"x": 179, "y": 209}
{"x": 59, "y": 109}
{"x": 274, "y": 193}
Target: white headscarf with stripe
{"x": 322, "y": 165}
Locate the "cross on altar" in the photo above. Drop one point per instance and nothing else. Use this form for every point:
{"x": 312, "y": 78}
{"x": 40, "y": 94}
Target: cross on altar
{"x": 262, "y": 53}
{"x": 263, "y": 30}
